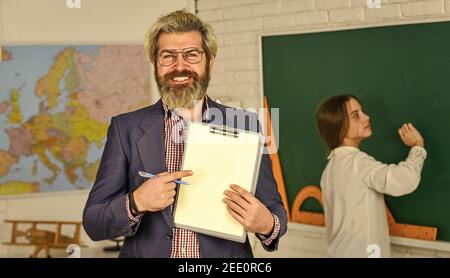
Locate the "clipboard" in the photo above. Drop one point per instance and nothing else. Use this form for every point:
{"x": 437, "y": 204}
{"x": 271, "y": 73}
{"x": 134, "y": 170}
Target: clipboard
{"x": 218, "y": 156}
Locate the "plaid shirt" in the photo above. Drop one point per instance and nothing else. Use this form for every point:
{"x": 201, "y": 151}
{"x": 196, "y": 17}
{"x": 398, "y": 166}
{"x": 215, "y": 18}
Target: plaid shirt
{"x": 185, "y": 243}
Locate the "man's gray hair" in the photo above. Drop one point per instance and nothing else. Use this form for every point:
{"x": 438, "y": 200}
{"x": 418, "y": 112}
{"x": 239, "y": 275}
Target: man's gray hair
{"x": 179, "y": 21}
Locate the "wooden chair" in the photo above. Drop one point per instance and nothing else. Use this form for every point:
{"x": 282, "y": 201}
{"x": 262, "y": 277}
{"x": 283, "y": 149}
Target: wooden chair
{"x": 43, "y": 239}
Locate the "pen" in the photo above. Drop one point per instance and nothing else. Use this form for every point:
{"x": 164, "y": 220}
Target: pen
{"x": 151, "y": 176}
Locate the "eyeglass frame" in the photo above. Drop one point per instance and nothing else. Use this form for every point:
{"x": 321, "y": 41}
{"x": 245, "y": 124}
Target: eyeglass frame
{"x": 183, "y": 53}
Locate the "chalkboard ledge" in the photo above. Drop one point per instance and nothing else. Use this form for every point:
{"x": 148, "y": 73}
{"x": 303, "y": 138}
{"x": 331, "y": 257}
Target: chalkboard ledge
{"x": 423, "y": 244}
{"x": 303, "y": 240}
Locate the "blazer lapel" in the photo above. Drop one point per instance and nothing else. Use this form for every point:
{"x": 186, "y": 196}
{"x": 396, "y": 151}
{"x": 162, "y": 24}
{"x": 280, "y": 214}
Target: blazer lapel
{"x": 151, "y": 148}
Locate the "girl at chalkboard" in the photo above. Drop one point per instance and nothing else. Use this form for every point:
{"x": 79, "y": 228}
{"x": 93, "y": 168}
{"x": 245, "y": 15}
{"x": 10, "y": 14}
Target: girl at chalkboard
{"x": 354, "y": 183}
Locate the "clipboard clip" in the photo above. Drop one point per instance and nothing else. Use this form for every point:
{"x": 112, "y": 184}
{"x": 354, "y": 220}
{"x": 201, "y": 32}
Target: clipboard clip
{"x": 231, "y": 132}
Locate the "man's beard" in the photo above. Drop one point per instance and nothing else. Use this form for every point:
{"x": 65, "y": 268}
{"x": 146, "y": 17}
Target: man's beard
{"x": 182, "y": 96}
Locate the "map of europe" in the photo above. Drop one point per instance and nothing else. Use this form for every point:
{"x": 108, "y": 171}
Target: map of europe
{"x": 56, "y": 103}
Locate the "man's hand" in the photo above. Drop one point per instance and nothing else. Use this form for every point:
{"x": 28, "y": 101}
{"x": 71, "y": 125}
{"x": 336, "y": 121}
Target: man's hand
{"x": 158, "y": 193}
{"x": 249, "y": 211}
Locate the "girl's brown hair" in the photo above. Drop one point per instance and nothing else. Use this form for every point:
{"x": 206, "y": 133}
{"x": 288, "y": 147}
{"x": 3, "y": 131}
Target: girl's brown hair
{"x": 332, "y": 120}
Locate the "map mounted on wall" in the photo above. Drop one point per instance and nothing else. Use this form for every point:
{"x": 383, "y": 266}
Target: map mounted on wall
{"x": 56, "y": 103}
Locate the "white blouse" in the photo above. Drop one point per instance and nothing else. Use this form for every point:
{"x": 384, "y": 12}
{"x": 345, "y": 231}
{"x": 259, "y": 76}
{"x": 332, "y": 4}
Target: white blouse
{"x": 353, "y": 184}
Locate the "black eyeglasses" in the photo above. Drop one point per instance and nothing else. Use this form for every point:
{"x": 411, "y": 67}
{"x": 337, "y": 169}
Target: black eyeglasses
{"x": 190, "y": 55}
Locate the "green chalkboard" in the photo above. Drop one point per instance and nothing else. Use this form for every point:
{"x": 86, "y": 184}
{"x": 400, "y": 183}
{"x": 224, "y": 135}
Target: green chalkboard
{"x": 400, "y": 73}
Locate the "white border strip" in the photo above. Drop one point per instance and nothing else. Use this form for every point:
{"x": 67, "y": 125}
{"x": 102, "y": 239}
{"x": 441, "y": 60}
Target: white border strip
{"x": 403, "y": 241}
{"x": 44, "y": 194}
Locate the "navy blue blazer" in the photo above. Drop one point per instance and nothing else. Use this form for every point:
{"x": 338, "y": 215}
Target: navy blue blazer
{"x": 136, "y": 142}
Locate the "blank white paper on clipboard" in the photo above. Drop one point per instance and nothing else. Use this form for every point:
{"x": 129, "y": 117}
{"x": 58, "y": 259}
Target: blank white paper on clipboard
{"x": 218, "y": 156}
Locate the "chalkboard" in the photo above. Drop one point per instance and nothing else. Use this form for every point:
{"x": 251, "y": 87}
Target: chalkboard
{"x": 400, "y": 73}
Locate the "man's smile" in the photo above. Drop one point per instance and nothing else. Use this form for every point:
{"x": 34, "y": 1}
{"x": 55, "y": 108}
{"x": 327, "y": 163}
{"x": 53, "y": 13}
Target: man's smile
{"x": 180, "y": 79}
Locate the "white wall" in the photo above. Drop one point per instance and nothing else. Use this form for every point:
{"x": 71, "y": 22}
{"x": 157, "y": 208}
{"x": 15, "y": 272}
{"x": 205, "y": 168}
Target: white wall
{"x": 51, "y": 22}
{"x": 97, "y": 21}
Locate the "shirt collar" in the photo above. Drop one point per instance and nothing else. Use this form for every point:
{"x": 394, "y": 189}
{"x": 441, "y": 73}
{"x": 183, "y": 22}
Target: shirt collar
{"x": 342, "y": 150}
{"x": 205, "y": 111}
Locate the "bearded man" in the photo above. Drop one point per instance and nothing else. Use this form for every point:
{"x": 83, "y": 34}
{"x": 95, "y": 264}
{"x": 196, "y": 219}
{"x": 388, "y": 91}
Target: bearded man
{"x": 182, "y": 49}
